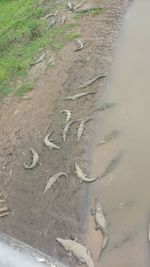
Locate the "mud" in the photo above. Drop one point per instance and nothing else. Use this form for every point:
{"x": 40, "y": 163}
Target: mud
{"x": 64, "y": 212}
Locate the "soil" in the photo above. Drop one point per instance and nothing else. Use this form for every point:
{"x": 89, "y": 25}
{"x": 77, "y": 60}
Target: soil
{"x": 35, "y": 218}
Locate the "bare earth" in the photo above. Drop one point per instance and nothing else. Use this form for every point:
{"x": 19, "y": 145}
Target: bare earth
{"x": 35, "y": 218}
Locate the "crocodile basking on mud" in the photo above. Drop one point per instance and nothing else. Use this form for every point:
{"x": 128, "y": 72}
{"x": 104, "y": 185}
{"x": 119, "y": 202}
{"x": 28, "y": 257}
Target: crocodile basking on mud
{"x": 35, "y": 160}
{"x": 49, "y": 143}
{"x": 101, "y": 223}
{"x": 66, "y": 129}
{"x": 52, "y": 180}
{"x": 82, "y": 127}
{"x": 83, "y": 176}
{"x": 78, "y": 250}
{"x": 67, "y": 113}
{"x": 74, "y": 97}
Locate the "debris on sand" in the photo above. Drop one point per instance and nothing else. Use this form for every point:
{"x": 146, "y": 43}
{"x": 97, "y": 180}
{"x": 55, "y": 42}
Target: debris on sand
{"x": 51, "y": 60}
{"x": 78, "y": 6}
{"x": 67, "y": 113}
{"x": 105, "y": 106}
{"x": 47, "y": 128}
{"x": 52, "y": 23}
{"x": 52, "y": 180}
{"x": 11, "y": 136}
{"x": 3, "y": 214}
{"x": 4, "y": 210}
{"x": 7, "y": 180}
{"x": 73, "y": 7}
{"x": 125, "y": 204}
{"x": 109, "y": 137}
{"x": 78, "y": 250}
{"x": 74, "y": 97}
{"x": 80, "y": 45}
{"x": 88, "y": 9}
{"x": 70, "y": 6}
{"x": 49, "y": 143}
{"x": 49, "y": 16}
{"x": 89, "y": 82}
{"x": 39, "y": 60}
{"x": 101, "y": 223}
{"x": 63, "y": 20}
{"x": 35, "y": 160}
{"x": 82, "y": 176}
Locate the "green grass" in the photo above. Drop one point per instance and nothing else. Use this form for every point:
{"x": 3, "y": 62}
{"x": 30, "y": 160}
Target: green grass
{"x": 4, "y": 90}
{"x": 24, "y": 89}
{"x": 97, "y": 11}
{"x": 23, "y": 36}
{"x": 71, "y": 36}
{"x": 93, "y": 12}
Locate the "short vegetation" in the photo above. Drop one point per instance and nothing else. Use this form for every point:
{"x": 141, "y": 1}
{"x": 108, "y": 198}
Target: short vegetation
{"x": 24, "y": 36}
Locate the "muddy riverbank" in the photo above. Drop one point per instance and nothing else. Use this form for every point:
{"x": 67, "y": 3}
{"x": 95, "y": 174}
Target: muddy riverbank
{"x": 64, "y": 211}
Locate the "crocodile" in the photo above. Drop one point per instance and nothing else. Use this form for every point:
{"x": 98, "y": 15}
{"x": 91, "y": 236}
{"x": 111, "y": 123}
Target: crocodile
{"x": 35, "y": 160}
{"x": 39, "y": 60}
{"x": 83, "y": 176}
{"x": 74, "y": 97}
{"x": 50, "y": 144}
{"x": 66, "y": 129}
{"x": 78, "y": 250}
{"x": 101, "y": 223}
{"x": 52, "y": 180}
{"x": 81, "y": 128}
{"x": 87, "y": 83}
{"x": 68, "y": 114}
{"x": 104, "y": 106}
{"x": 108, "y": 137}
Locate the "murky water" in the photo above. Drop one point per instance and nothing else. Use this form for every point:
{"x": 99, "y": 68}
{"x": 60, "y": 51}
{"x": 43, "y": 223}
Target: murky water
{"x": 129, "y": 180}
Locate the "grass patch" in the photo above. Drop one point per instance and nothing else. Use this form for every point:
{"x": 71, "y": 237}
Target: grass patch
{"x": 97, "y": 11}
{"x": 60, "y": 36}
{"x": 94, "y": 12}
{"x": 24, "y": 89}
{"x": 23, "y": 36}
{"x": 4, "y": 90}
{"x": 70, "y": 36}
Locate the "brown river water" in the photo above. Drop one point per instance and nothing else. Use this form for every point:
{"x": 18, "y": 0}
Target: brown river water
{"x": 129, "y": 178}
